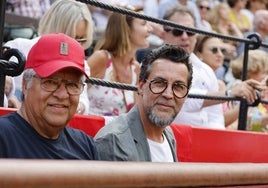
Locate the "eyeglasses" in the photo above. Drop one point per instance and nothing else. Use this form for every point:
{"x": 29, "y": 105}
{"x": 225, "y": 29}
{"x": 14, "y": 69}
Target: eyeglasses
{"x": 204, "y": 7}
{"x": 51, "y": 85}
{"x": 81, "y": 41}
{"x": 177, "y": 32}
{"x": 216, "y": 50}
{"x": 158, "y": 86}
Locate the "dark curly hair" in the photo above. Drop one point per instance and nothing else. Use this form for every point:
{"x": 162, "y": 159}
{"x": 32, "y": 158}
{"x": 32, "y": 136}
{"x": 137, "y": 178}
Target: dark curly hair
{"x": 170, "y": 52}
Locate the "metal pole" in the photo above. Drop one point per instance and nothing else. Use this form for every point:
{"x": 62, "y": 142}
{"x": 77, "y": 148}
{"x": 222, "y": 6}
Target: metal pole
{"x": 243, "y": 111}
{"x": 2, "y": 76}
{"x": 242, "y": 120}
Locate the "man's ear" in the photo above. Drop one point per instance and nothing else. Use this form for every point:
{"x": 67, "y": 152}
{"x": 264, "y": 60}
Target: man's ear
{"x": 24, "y": 85}
{"x": 140, "y": 87}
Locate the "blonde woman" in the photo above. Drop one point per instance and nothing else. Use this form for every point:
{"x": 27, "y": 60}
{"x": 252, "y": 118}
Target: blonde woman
{"x": 218, "y": 17}
{"x": 70, "y": 17}
{"x": 257, "y": 69}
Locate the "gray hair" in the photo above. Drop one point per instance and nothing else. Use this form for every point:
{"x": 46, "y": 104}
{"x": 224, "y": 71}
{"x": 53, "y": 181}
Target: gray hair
{"x": 181, "y": 10}
{"x": 260, "y": 16}
{"x": 28, "y": 75}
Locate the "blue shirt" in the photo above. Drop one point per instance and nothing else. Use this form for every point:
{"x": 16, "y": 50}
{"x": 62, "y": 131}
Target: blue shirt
{"x": 19, "y": 140}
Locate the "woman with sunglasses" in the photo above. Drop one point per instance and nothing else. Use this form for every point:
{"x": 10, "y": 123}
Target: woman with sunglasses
{"x": 211, "y": 51}
{"x": 218, "y": 17}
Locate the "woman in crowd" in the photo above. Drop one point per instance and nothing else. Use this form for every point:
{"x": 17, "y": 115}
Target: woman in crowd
{"x": 219, "y": 20}
{"x": 114, "y": 60}
{"x": 236, "y": 15}
{"x": 211, "y": 51}
{"x": 218, "y": 17}
{"x": 257, "y": 69}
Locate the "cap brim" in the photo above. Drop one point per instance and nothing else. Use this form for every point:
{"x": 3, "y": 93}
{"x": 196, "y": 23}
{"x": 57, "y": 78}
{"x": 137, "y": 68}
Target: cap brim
{"x": 51, "y": 67}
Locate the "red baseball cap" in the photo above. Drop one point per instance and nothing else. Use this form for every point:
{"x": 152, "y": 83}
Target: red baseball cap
{"x": 54, "y": 52}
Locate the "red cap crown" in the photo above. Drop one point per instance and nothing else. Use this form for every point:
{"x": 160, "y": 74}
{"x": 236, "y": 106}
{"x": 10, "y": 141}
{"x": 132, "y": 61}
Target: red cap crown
{"x": 54, "y": 52}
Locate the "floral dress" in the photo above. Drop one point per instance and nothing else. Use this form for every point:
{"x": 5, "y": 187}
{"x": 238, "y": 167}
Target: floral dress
{"x": 108, "y": 101}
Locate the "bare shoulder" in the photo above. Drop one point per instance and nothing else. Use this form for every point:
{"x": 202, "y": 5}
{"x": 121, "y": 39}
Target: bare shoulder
{"x": 97, "y": 63}
{"x": 99, "y": 56}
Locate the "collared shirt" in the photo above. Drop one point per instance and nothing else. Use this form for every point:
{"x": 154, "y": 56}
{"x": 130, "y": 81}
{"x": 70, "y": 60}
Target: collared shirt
{"x": 192, "y": 112}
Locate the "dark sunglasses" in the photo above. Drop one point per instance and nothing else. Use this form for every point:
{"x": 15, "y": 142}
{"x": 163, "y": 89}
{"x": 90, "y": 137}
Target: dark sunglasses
{"x": 204, "y": 7}
{"x": 177, "y": 32}
{"x": 216, "y": 50}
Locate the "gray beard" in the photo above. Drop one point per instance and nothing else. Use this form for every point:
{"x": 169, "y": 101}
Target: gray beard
{"x": 159, "y": 122}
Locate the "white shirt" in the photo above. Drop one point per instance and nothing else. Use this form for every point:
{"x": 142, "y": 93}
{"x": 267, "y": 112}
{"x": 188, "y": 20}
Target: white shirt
{"x": 192, "y": 112}
{"x": 160, "y": 152}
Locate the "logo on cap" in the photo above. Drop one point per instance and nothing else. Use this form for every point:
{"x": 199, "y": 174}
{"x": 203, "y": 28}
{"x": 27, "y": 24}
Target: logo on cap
{"x": 64, "y": 48}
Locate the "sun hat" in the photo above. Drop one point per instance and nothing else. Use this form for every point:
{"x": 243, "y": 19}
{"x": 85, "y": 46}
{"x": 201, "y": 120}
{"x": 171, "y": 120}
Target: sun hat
{"x": 54, "y": 52}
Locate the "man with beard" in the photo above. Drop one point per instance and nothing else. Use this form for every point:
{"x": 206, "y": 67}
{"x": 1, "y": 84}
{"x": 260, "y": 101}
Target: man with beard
{"x": 143, "y": 134}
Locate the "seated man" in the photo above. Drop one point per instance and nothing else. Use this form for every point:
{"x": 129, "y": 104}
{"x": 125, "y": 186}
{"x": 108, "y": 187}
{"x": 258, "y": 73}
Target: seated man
{"x": 143, "y": 134}
{"x": 52, "y": 83}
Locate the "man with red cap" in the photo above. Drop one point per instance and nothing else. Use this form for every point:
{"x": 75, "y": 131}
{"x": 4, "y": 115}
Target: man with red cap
{"x": 52, "y": 82}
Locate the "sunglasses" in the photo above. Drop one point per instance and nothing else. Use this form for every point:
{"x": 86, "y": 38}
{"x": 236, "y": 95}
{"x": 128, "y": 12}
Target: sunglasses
{"x": 81, "y": 41}
{"x": 216, "y": 50}
{"x": 177, "y": 33}
{"x": 204, "y": 7}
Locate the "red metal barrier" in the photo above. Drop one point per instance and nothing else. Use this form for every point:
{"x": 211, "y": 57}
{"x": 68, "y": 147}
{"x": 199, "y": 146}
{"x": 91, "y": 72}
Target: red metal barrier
{"x": 89, "y": 124}
{"x": 224, "y": 146}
